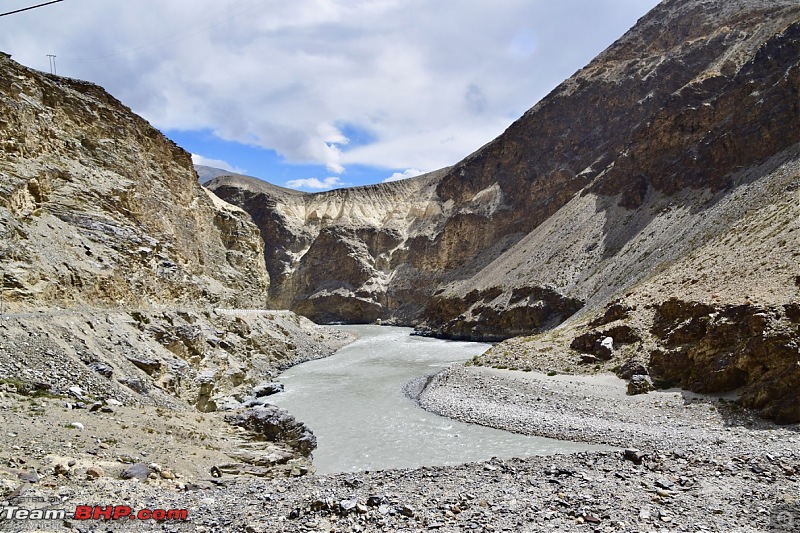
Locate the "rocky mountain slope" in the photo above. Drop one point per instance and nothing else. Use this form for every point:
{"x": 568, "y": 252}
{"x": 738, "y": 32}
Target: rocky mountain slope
{"x": 666, "y": 168}
{"x": 122, "y": 279}
{"x": 96, "y": 206}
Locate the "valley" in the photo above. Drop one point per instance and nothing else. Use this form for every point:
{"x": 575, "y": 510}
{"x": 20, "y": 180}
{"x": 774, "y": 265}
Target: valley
{"x": 630, "y": 246}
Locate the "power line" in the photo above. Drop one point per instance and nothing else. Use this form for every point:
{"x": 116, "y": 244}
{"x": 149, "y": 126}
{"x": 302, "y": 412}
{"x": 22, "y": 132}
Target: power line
{"x": 52, "y": 59}
{"x": 29, "y": 8}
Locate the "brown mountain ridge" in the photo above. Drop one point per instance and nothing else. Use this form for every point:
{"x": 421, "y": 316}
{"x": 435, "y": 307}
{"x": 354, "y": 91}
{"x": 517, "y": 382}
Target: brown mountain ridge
{"x": 660, "y": 181}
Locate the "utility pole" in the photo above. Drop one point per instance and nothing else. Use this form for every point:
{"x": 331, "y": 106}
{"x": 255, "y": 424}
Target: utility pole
{"x": 52, "y": 59}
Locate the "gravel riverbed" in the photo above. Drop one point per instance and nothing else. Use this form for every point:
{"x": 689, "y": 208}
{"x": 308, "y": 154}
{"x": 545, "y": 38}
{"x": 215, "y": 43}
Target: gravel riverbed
{"x": 678, "y": 462}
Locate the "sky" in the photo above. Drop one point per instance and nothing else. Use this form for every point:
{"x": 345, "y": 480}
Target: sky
{"x": 321, "y": 94}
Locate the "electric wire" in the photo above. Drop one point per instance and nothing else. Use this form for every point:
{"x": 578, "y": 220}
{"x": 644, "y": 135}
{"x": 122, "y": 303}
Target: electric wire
{"x": 29, "y": 8}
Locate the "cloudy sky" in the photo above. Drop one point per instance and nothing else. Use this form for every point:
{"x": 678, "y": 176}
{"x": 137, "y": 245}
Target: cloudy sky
{"x": 317, "y": 94}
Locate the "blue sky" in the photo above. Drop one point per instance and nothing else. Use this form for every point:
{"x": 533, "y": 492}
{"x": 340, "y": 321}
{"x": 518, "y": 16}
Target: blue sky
{"x": 268, "y": 165}
{"x": 316, "y": 94}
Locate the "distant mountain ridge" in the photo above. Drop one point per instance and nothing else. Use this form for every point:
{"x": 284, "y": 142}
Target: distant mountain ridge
{"x": 206, "y": 173}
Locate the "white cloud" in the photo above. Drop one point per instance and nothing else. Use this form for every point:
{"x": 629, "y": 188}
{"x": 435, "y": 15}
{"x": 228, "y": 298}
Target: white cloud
{"x": 295, "y": 76}
{"x": 315, "y": 183}
{"x": 198, "y": 159}
{"x": 410, "y": 173}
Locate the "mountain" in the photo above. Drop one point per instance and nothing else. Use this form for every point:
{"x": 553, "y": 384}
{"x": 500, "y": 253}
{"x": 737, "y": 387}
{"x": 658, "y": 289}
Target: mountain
{"x": 88, "y": 220}
{"x": 206, "y": 173}
{"x": 655, "y": 188}
{"x": 122, "y": 277}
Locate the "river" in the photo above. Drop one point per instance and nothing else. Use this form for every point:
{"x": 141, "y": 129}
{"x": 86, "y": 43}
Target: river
{"x": 354, "y": 403}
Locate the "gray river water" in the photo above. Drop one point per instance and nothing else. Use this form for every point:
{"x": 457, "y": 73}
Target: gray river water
{"x": 354, "y": 403}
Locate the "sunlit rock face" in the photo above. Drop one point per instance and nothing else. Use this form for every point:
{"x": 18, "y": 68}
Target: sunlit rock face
{"x": 98, "y": 208}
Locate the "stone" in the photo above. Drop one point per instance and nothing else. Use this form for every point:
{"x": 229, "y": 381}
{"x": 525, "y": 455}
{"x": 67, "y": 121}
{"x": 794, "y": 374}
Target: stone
{"x": 136, "y": 471}
{"x": 348, "y": 505}
{"x": 664, "y": 484}
{"x": 319, "y": 505}
{"x": 77, "y": 425}
{"x": 103, "y": 369}
{"x": 608, "y": 343}
{"x": 639, "y": 385}
{"x": 135, "y": 384}
{"x": 76, "y": 391}
{"x": 604, "y": 348}
{"x": 267, "y": 389}
{"x": 30, "y": 476}
{"x": 276, "y": 425}
{"x": 632, "y": 368}
{"x": 150, "y": 366}
{"x": 251, "y": 402}
{"x": 94, "y": 472}
{"x": 61, "y": 470}
{"x": 633, "y": 455}
{"x": 406, "y": 510}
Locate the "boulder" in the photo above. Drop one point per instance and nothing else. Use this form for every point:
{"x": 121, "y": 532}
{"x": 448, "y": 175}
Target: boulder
{"x": 271, "y": 423}
{"x": 94, "y": 472}
{"x": 632, "y": 368}
{"x": 639, "y": 384}
{"x": 101, "y": 368}
{"x": 138, "y": 471}
{"x": 267, "y": 389}
{"x": 149, "y": 366}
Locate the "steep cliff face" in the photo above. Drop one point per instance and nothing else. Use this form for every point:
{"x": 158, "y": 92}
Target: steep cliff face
{"x": 98, "y": 208}
{"x": 351, "y": 255}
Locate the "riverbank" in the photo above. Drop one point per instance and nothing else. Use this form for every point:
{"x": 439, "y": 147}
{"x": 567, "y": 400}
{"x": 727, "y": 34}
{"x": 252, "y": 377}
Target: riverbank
{"x": 701, "y": 465}
{"x": 595, "y": 408}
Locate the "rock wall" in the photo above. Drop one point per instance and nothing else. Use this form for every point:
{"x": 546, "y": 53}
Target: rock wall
{"x": 712, "y": 349}
{"x": 98, "y": 208}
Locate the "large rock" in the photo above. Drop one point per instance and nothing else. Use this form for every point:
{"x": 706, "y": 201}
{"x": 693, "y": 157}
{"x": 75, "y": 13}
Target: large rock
{"x": 274, "y": 424}
{"x": 713, "y": 349}
{"x": 267, "y": 389}
{"x": 639, "y": 384}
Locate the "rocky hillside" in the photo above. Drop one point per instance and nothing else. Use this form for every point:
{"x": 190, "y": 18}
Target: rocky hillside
{"x": 122, "y": 279}
{"x": 698, "y": 99}
{"x": 666, "y": 168}
{"x": 97, "y": 207}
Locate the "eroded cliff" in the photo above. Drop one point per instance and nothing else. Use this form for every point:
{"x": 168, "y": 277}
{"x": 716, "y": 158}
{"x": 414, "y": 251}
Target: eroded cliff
{"x": 98, "y": 208}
